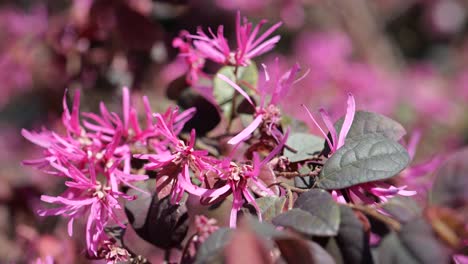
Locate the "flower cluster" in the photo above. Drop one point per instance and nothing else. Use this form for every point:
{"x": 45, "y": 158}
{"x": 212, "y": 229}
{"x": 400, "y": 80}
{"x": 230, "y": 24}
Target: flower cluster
{"x": 94, "y": 156}
{"x": 196, "y": 48}
{"x": 103, "y": 157}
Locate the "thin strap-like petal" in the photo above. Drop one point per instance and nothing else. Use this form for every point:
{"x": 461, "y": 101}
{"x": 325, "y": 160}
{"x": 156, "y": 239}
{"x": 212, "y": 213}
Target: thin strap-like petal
{"x": 247, "y": 131}
{"x": 348, "y": 121}
{"x": 317, "y": 125}
{"x": 235, "y": 86}
{"x": 331, "y": 128}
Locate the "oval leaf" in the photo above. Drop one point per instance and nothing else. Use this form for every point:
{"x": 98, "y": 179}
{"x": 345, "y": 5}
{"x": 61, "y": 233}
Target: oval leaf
{"x": 212, "y": 249}
{"x": 295, "y": 250}
{"x": 158, "y": 221}
{"x": 315, "y": 213}
{"x": 352, "y": 238}
{"x": 369, "y": 123}
{"x": 451, "y": 182}
{"x": 366, "y": 159}
{"x": 416, "y": 243}
{"x": 270, "y": 206}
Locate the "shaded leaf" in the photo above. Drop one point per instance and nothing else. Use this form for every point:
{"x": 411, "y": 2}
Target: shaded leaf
{"x": 211, "y": 250}
{"x": 176, "y": 87}
{"x": 270, "y": 206}
{"x": 352, "y": 239}
{"x": 158, "y": 221}
{"x": 137, "y": 210}
{"x": 369, "y": 123}
{"x": 402, "y": 208}
{"x": 117, "y": 233}
{"x": 295, "y": 250}
{"x": 416, "y": 243}
{"x": 262, "y": 229}
{"x": 366, "y": 159}
{"x": 304, "y": 144}
{"x": 206, "y": 117}
{"x": 315, "y": 213}
{"x": 451, "y": 183}
{"x": 304, "y": 182}
{"x": 245, "y": 247}
{"x": 391, "y": 251}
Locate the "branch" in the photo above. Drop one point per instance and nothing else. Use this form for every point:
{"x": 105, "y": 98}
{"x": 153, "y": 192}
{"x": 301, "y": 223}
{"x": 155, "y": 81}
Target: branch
{"x": 370, "y": 211}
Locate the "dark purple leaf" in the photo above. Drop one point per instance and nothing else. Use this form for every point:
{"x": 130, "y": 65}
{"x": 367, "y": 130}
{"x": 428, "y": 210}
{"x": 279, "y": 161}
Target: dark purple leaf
{"x": 352, "y": 239}
{"x": 211, "y": 251}
{"x": 315, "y": 213}
{"x": 158, "y": 221}
{"x": 415, "y": 243}
{"x": 451, "y": 184}
{"x": 296, "y": 250}
{"x": 369, "y": 158}
{"x": 403, "y": 209}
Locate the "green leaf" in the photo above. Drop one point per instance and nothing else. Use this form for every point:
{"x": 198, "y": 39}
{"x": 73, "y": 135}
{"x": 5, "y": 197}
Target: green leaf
{"x": 270, "y": 206}
{"x": 315, "y": 213}
{"x": 305, "y": 145}
{"x": 365, "y": 159}
{"x": 366, "y": 123}
{"x": 212, "y": 249}
{"x": 451, "y": 184}
{"x": 223, "y": 92}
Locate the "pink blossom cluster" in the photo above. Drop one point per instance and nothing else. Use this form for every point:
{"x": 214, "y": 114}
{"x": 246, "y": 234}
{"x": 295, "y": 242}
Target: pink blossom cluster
{"x": 214, "y": 46}
{"x": 95, "y": 155}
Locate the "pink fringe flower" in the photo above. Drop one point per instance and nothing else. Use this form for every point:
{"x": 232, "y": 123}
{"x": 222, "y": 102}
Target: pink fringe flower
{"x": 178, "y": 160}
{"x": 367, "y": 193}
{"x": 238, "y": 180}
{"x": 266, "y": 114}
{"x": 249, "y": 43}
{"x": 86, "y": 196}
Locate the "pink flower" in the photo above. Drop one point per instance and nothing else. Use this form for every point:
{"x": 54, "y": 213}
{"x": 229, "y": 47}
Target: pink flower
{"x": 249, "y": 43}
{"x": 105, "y": 143}
{"x": 370, "y": 193}
{"x": 86, "y": 196}
{"x": 193, "y": 58}
{"x": 337, "y": 141}
{"x": 266, "y": 114}
{"x": 98, "y": 145}
{"x": 367, "y": 193}
{"x": 238, "y": 180}
{"x": 176, "y": 162}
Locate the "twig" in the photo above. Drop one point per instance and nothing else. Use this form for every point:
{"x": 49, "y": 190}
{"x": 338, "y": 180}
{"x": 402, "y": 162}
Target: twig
{"x": 186, "y": 247}
{"x": 289, "y": 187}
{"x": 292, "y": 174}
{"x": 393, "y": 224}
{"x": 233, "y": 102}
